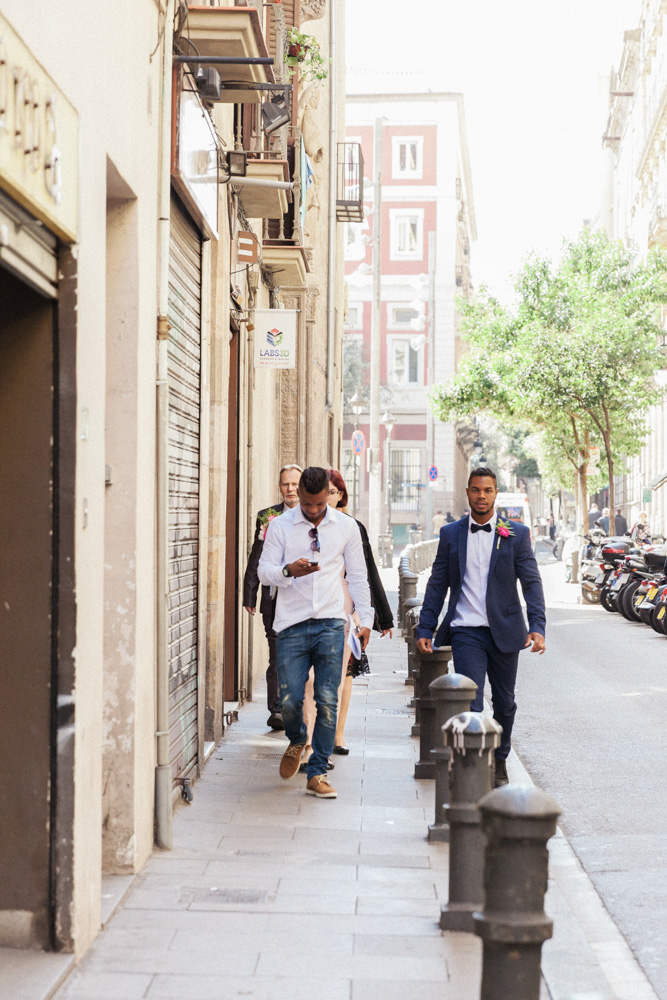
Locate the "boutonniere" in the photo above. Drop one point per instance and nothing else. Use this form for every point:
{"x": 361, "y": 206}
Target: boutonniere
{"x": 269, "y": 515}
{"x": 503, "y": 530}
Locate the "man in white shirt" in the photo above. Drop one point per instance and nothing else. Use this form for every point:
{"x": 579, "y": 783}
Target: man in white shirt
{"x": 479, "y": 561}
{"x": 306, "y": 551}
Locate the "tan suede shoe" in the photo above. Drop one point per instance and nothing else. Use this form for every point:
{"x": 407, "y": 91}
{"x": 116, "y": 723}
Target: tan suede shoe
{"x": 289, "y": 765}
{"x": 319, "y": 786}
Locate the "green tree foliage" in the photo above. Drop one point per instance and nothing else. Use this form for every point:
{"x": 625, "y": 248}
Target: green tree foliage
{"x": 575, "y": 358}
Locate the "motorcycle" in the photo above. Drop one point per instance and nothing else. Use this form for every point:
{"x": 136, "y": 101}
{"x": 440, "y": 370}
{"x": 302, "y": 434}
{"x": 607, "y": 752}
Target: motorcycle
{"x": 589, "y": 566}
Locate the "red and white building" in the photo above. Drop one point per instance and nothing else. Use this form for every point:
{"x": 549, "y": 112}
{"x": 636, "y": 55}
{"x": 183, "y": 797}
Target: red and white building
{"x": 426, "y": 188}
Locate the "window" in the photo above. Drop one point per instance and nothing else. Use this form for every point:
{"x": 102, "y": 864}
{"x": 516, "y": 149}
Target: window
{"x": 354, "y": 317}
{"x": 401, "y": 317}
{"x": 407, "y": 234}
{"x": 408, "y": 157}
{"x": 405, "y": 478}
{"x": 406, "y": 362}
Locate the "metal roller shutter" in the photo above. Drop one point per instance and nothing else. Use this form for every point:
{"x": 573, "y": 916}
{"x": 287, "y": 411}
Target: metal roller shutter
{"x": 184, "y": 415}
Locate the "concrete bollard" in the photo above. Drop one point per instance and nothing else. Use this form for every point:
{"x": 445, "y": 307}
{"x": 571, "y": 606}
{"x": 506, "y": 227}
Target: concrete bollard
{"x": 431, "y": 666}
{"x": 518, "y": 820}
{"x": 453, "y": 695}
{"x": 409, "y": 590}
{"x": 473, "y": 737}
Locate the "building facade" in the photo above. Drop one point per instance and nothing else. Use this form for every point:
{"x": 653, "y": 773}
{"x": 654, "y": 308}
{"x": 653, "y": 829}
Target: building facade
{"x": 417, "y": 142}
{"x": 143, "y": 269}
{"x": 634, "y": 210}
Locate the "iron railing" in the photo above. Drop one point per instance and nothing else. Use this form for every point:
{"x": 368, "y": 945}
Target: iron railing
{"x": 350, "y": 183}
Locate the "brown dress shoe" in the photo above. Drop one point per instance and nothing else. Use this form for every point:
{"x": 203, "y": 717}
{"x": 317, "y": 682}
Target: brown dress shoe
{"x": 289, "y": 764}
{"x": 319, "y": 786}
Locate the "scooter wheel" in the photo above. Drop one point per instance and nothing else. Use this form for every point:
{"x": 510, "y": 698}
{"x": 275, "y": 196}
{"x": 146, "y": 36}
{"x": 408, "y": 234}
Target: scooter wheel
{"x": 606, "y": 600}
{"x": 658, "y": 624}
{"x": 590, "y": 596}
{"x": 626, "y": 601}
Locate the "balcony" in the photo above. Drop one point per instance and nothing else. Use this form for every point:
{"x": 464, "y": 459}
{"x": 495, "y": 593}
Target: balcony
{"x": 657, "y": 226}
{"x": 236, "y": 32}
{"x": 350, "y": 183}
{"x": 264, "y": 202}
{"x": 282, "y": 239}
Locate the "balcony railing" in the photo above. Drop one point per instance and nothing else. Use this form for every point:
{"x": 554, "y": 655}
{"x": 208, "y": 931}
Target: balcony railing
{"x": 350, "y": 183}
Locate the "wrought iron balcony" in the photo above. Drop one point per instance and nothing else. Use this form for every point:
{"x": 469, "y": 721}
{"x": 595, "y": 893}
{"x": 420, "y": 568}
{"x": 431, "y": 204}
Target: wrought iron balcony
{"x": 350, "y": 183}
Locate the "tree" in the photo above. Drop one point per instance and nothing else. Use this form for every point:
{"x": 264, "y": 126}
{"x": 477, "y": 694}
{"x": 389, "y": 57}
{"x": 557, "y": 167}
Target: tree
{"x": 574, "y": 359}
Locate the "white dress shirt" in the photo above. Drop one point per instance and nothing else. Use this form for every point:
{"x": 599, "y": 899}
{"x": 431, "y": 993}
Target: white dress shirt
{"x": 320, "y": 594}
{"x": 471, "y": 605}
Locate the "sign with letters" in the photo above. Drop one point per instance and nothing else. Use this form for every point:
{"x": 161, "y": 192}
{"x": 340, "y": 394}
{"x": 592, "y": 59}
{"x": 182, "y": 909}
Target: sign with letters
{"x": 39, "y": 138}
{"x": 275, "y": 338}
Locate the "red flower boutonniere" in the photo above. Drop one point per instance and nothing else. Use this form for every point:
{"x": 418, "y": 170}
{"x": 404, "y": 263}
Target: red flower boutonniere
{"x": 269, "y": 515}
{"x": 503, "y": 530}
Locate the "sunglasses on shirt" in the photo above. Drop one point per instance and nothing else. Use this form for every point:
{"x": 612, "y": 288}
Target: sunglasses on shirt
{"x": 314, "y": 545}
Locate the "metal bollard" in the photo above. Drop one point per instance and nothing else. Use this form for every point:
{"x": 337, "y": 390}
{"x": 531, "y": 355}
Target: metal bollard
{"x": 431, "y": 665}
{"x": 409, "y": 588}
{"x": 453, "y": 694}
{"x": 518, "y": 820}
{"x": 411, "y": 622}
{"x": 473, "y": 738}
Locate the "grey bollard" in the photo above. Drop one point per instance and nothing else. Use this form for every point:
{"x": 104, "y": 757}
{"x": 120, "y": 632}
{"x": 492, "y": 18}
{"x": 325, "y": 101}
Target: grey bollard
{"x": 453, "y": 695}
{"x": 431, "y": 666}
{"x": 518, "y": 820}
{"x": 411, "y": 622}
{"x": 473, "y": 738}
{"x": 409, "y": 589}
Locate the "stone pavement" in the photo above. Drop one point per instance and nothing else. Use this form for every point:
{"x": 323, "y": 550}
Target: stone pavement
{"x": 269, "y": 892}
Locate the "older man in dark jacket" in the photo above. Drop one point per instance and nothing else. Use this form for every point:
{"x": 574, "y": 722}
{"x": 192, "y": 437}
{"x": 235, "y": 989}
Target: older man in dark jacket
{"x": 287, "y": 484}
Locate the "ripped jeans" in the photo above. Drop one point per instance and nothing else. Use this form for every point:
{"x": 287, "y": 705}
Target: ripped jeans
{"x": 317, "y": 642}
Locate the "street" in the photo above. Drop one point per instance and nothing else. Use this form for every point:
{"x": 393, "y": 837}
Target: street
{"x": 590, "y": 729}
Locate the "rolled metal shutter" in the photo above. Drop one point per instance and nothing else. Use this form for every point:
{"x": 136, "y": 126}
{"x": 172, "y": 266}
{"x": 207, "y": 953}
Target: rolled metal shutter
{"x": 184, "y": 417}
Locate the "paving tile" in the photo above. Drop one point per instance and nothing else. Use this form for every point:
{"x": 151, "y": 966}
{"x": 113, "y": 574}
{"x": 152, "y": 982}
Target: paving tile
{"x": 220, "y": 961}
{"x": 280, "y": 942}
{"x": 270, "y": 987}
{"x": 410, "y": 990}
{"x": 355, "y": 968}
{"x": 108, "y": 985}
{"x": 399, "y": 906}
{"x": 195, "y": 920}
{"x": 405, "y": 946}
{"x": 371, "y": 924}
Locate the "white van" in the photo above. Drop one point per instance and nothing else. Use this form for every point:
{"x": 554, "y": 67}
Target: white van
{"x": 514, "y": 507}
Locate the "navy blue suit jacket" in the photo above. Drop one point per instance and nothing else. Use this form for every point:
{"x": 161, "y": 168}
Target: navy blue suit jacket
{"x": 511, "y": 560}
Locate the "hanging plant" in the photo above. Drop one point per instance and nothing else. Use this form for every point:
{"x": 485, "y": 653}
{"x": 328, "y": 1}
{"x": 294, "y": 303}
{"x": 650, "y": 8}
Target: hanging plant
{"x": 304, "y": 51}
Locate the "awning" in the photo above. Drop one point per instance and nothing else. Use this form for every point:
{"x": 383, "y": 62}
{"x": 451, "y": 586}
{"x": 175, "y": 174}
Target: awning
{"x": 656, "y": 483}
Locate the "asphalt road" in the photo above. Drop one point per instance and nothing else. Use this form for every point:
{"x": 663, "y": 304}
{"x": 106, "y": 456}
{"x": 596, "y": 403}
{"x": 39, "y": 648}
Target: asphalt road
{"x": 591, "y": 729}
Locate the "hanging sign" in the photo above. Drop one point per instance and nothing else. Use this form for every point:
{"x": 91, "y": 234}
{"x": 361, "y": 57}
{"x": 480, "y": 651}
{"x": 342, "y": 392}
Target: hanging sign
{"x": 358, "y": 442}
{"x": 247, "y": 248}
{"x": 275, "y": 338}
{"x": 433, "y": 473}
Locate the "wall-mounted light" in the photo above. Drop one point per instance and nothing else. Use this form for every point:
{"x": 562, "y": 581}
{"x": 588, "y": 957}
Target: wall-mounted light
{"x": 237, "y": 162}
{"x": 274, "y": 114}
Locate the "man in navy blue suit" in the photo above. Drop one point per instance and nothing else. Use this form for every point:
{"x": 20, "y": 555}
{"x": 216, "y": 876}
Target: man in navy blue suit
{"x": 479, "y": 560}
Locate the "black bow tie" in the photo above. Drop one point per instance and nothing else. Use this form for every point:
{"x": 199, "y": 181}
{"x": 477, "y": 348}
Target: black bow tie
{"x": 480, "y": 527}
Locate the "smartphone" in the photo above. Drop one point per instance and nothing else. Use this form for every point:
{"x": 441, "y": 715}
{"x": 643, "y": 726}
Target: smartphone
{"x": 313, "y": 562}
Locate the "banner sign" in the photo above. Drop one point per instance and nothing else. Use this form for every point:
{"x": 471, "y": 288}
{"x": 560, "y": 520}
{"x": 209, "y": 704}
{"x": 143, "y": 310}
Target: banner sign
{"x": 275, "y": 338}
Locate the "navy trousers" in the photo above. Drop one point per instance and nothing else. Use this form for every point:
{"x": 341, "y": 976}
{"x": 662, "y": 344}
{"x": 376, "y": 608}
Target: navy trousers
{"x": 476, "y": 656}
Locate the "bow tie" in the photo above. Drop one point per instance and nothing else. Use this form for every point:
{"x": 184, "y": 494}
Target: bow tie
{"x": 480, "y": 527}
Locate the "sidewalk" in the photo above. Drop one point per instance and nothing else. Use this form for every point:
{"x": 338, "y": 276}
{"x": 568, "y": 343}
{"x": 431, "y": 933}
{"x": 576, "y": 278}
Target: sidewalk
{"x": 269, "y": 891}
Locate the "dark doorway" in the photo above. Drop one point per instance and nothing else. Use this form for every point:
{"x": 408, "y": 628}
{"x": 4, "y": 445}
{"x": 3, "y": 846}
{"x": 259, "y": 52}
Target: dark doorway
{"x": 26, "y": 608}
{"x": 230, "y": 669}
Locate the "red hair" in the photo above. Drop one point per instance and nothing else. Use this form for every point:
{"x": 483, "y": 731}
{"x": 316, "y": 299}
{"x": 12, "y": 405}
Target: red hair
{"x": 338, "y": 481}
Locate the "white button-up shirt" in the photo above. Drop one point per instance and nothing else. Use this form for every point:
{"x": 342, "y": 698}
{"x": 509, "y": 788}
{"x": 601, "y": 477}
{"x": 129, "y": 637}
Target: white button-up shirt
{"x": 471, "y": 605}
{"x": 320, "y": 594}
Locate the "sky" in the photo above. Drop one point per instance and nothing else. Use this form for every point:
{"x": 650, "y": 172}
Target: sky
{"x": 534, "y": 76}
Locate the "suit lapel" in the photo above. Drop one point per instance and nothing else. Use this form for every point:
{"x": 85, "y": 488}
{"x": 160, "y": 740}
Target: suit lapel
{"x": 463, "y": 545}
{"x": 496, "y": 549}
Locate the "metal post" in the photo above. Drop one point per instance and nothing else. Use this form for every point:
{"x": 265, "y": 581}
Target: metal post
{"x": 453, "y": 695}
{"x": 411, "y": 623}
{"x": 431, "y": 665}
{"x": 473, "y": 738}
{"x": 374, "y": 488}
{"x": 518, "y": 820}
{"x": 430, "y": 378}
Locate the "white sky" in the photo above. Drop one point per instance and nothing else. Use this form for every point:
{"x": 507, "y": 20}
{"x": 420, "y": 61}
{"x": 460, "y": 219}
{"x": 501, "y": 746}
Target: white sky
{"x": 530, "y": 72}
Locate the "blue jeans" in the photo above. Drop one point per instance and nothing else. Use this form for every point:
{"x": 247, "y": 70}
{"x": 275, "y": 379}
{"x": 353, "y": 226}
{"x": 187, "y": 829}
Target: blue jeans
{"x": 317, "y": 642}
{"x": 476, "y": 656}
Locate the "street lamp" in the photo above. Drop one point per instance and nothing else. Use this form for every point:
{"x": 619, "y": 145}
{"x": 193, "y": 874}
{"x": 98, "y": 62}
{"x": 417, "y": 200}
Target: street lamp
{"x": 388, "y": 420}
{"x": 356, "y": 404}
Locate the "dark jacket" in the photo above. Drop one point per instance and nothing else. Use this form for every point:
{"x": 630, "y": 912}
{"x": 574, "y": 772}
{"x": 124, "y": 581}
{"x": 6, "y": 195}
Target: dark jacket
{"x": 383, "y": 617}
{"x": 511, "y": 560}
{"x": 250, "y": 579}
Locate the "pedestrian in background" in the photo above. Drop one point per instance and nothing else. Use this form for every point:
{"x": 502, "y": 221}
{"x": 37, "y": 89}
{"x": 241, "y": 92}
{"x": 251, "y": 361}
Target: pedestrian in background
{"x": 438, "y": 520}
{"x": 641, "y": 532}
{"x": 593, "y": 515}
{"x": 603, "y": 521}
{"x": 306, "y": 551}
{"x": 620, "y": 523}
{"x": 479, "y": 561}
{"x": 288, "y": 482}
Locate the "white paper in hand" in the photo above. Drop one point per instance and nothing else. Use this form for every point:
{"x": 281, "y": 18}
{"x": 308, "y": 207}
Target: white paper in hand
{"x": 353, "y": 639}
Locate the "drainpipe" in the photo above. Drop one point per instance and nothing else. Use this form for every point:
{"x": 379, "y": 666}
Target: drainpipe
{"x": 163, "y": 783}
{"x": 331, "y": 269}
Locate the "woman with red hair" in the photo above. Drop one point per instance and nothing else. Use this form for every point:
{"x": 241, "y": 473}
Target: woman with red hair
{"x": 384, "y": 624}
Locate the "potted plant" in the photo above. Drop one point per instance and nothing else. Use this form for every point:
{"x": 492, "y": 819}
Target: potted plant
{"x": 304, "y": 51}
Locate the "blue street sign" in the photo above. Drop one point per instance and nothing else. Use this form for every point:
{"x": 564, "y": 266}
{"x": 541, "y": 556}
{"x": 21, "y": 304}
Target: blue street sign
{"x": 358, "y": 442}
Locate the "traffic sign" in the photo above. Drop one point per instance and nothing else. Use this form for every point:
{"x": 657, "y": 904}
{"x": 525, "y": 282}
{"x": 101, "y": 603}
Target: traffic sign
{"x": 433, "y": 473}
{"x": 358, "y": 442}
